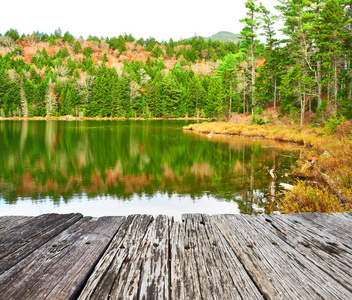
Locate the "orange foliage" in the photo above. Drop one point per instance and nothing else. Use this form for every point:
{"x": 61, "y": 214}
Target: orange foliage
{"x": 51, "y": 185}
{"x": 28, "y": 184}
{"x": 95, "y": 183}
{"x": 130, "y": 46}
{"x": 28, "y": 58}
{"x": 260, "y": 62}
{"x": 24, "y": 43}
{"x": 142, "y": 147}
{"x": 139, "y": 49}
{"x": 52, "y": 50}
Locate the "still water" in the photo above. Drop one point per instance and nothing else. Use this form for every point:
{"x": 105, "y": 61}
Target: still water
{"x": 126, "y": 167}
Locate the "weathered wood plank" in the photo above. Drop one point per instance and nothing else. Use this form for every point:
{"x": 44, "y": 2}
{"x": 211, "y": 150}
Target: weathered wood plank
{"x": 279, "y": 271}
{"x": 303, "y": 256}
{"x": 203, "y": 266}
{"x": 60, "y": 268}
{"x": 8, "y": 222}
{"x": 20, "y": 241}
{"x": 321, "y": 248}
{"x": 338, "y": 225}
{"x": 135, "y": 266}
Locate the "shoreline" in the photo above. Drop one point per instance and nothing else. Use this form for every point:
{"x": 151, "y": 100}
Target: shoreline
{"x": 322, "y": 171}
{"x": 71, "y": 118}
{"x": 282, "y": 133}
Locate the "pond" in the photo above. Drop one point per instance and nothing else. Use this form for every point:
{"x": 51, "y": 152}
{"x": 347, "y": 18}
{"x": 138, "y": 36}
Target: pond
{"x": 132, "y": 167}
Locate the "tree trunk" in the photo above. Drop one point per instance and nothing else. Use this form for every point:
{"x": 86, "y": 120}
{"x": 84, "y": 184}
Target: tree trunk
{"x": 253, "y": 78}
{"x": 319, "y": 69}
{"x": 230, "y": 98}
{"x": 303, "y": 104}
{"x": 319, "y": 82}
{"x": 275, "y": 90}
{"x": 335, "y": 81}
{"x": 244, "y": 92}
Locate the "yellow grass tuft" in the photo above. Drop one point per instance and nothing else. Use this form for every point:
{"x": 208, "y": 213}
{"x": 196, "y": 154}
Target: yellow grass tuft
{"x": 303, "y": 198}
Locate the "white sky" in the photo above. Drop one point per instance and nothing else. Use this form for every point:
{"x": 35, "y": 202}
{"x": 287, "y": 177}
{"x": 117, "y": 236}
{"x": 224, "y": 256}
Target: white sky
{"x": 142, "y": 18}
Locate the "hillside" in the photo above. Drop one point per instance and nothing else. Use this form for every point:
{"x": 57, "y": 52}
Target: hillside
{"x": 224, "y": 36}
{"x": 58, "y": 75}
{"x": 221, "y": 36}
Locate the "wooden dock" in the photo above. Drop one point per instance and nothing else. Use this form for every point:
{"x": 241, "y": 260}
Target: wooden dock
{"x": 298, "y": 256}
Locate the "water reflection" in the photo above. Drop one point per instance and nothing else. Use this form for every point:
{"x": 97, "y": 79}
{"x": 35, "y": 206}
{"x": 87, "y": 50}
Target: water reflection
{"x": 136, "y": 162}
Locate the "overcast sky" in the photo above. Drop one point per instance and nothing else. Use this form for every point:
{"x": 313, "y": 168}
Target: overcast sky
{"x": 161, "y": 19}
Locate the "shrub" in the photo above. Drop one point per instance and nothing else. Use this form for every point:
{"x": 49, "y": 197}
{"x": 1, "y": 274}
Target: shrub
{"x": 258, "y": 111}
{"x": 304, "y": 198}
{"x": 331, "y": 124}
{"x": 259, "y": 121}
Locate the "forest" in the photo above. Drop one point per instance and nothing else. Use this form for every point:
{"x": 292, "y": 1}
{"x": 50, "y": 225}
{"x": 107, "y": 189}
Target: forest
{"x": 298, "y": 60}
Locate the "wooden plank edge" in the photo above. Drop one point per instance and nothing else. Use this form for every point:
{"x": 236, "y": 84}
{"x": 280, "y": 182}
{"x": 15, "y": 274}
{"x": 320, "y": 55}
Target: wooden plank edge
{"x": 84, "y": 281}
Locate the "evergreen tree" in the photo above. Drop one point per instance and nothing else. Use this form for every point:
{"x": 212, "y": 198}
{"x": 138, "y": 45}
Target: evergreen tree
{"x": 248, "y": 34}
{"x": 77, "y": 47}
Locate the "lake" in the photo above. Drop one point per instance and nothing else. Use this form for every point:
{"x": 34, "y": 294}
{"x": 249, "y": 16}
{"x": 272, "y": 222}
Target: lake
{"x": 103, "y": 168}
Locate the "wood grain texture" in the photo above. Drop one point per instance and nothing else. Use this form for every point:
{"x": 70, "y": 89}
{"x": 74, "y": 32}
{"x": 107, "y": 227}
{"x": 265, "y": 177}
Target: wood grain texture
{"x": 60, "y": 268}
{"x": 279, "y": 270}
{"x": 299, "y": 256}
{"x": 337, "y": 225}
{"x": 135, "y": 266}
{"x": 203, "y": 265}
{"x": 8, "y": 222}
{"x": 321, "y": 248}
{"x": 20, "y": 241}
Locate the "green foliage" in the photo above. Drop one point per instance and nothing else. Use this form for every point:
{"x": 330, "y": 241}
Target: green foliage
{"x": 93, "y": 39}
{"x": 12, "y": 33}
{"x": 224, "y": 36}
{"x": 258, "y": 111}
{"x": 77, "y": 47}
{"x": 65, "y": 53}
{"x": 258, "y": 121}
{"x": 87, "y": 51}
{"x": 157, "y": 52}
{"x": 51, "y": 41}
{"x": 309, "y": 70}
{"x": 68, "y": 37}
{"x": 331, "y": 124}
{"x": 150, "y": 44}
{"x": 18, "y": 51}
{"x": 118, "y": 43}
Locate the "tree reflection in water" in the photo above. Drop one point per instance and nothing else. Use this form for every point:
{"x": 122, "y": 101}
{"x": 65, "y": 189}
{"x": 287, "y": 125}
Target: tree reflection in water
{"x": 65, "y": 159}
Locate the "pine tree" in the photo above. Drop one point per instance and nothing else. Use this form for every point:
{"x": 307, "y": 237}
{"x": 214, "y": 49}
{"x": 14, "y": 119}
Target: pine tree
{"x": 248, "y": 34}
{"x": 330, "y": 42}
{"x": 227, "y": 71}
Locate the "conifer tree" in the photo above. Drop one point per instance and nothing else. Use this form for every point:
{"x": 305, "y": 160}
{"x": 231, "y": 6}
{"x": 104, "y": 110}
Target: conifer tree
{"x": 248, "y": 35}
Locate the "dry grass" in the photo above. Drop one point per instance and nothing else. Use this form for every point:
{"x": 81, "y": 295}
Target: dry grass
{"x": 327, "y": 157}
{"x": 303, "y": 198}
{"x": 285, "y": 133}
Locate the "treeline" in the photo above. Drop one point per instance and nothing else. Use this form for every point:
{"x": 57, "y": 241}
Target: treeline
{"x": 58, "y": 84}
{"x": 308, "y": 69}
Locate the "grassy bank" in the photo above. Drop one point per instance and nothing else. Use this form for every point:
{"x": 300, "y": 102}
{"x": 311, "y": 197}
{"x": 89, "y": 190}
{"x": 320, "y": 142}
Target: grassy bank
{"x": 325, "y": 165}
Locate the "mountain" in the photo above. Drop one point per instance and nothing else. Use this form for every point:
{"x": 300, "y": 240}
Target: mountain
{"x": 223, "y": 36}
